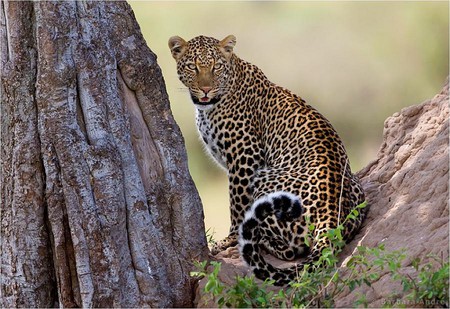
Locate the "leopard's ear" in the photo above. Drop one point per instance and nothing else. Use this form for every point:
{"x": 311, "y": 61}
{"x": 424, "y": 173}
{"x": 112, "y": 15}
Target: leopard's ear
{"x": 177, "y": 46}
{"x": 226, "y": 45}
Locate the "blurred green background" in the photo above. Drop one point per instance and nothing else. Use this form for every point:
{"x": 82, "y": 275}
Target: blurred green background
{"x": 356, "y": 62}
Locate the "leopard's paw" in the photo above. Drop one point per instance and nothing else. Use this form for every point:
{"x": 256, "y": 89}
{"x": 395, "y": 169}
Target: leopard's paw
{"x": 222, "y": 245}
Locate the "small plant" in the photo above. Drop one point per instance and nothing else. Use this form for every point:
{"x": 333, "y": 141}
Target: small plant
{"x": 428, "y": 288}
{"x": 432, "y": 286}
{"x": 247, "y": 293}
{"x": 210, "y": 237}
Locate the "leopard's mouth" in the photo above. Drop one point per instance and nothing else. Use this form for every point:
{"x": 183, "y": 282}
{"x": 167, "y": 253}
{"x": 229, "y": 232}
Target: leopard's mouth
{"x": 204, "y": 101}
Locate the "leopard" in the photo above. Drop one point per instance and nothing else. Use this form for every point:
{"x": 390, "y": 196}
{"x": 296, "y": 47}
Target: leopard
{"x": 289, "y": 175}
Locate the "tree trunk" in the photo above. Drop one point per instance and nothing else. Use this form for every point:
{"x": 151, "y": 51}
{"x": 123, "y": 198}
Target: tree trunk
{"x": 97, "y": 205}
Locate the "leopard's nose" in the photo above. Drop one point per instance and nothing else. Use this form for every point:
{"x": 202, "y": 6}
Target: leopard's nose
{"x": 206, "y": 89}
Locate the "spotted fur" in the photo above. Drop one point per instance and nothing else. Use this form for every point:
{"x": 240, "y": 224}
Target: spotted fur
{"x": 286, "y": 164}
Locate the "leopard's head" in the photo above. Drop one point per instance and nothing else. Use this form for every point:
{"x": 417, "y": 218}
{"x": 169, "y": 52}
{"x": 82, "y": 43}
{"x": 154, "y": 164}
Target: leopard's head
{"x": 204, "y": 66}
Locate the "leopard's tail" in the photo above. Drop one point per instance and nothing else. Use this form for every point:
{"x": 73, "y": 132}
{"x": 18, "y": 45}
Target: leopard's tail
{"x": 283, "y": 206}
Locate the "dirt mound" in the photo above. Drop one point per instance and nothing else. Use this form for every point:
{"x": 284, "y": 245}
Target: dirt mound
{"x": 407, "y": 187}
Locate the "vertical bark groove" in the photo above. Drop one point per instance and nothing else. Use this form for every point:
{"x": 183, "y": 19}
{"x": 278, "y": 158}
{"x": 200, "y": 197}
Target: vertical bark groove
{"x": 25, "y": 276}
{"x": 6, "y": 42}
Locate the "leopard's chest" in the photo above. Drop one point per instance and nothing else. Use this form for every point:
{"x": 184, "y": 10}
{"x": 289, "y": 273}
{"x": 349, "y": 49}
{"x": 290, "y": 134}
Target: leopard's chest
{"x": 230, "y": 133}
{"x": 209, "y": 129}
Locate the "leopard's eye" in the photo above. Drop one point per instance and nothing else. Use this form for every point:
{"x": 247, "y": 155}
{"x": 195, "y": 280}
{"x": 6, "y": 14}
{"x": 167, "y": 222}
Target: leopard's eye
{"x": 218, "y": 66}
{"x": 191, "y": 66}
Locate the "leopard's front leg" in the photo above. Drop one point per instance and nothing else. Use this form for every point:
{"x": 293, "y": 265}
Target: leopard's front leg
{"x": 240, "y": 180}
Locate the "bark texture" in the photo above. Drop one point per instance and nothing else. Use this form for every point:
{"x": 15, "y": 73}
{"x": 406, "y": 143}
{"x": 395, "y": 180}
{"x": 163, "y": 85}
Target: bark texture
{"x": 97, "y": 206}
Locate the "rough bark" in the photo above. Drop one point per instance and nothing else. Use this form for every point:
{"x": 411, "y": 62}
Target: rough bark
{"x": 98, "y": 208}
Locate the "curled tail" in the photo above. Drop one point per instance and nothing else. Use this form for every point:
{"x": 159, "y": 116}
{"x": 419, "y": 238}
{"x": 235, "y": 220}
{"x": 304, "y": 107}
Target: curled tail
{"x": 284, "y": 207}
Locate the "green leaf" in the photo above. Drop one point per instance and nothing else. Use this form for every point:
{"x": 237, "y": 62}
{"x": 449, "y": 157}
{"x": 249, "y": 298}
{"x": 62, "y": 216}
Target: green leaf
{"x": 415, "y": 263}
{"x": 367, "y": 282}
{"x": 307, "y": 242}
{"x": 362, "y": 249}
{"x": 351, "y": 262}
{"x": 261, "y": 300}
{"x": 197, "y": 274}
{"x": 362, "y": 205}
{"x": 209, "y": 286}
